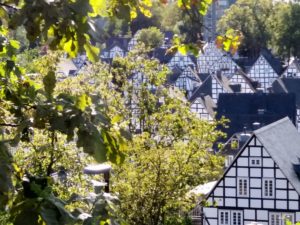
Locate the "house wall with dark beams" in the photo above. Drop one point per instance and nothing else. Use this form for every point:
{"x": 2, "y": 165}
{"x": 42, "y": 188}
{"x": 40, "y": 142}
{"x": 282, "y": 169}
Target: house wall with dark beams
{"x": 182, "y": 61}
{"x": 200, "y": 110}
{"x": 252, "y": 189}
{"x": 244, "y": 110}
{"x": 293, "y": 70}
{"x": 238, "y": 79}
{"x": 262, "y": 184}
{"x": 263, "y": 73}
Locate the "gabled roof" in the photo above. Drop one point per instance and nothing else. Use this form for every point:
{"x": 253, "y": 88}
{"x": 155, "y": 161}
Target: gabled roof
{"x": 175, "y": 73}
{"x": 252, "y": 84}
{"x": 223, "y": 81}
{"x": 207, "y": 102}
{"x": 281, "y": 140}
{"x": 203, "y": 89}
{"x": 161, "y": 55}
{"x": 117, "y": 41}
{"x": 273, "y": 61}
{"x": 287, "y": 85}
{"x": 293, "y": 61}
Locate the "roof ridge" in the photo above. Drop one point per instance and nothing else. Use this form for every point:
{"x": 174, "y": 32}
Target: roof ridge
{"x": 272, "y": 125}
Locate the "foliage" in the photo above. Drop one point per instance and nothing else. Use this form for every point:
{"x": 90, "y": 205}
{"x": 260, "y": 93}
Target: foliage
{"x": 170, "y": 153}
{"x": 49, "y": 136}
{"x": 249, "y": 17}
{"x": 284, "y": 26}
{"x": 42, "y": 119}
{"x": 264, "y": 24}
{"x": 151, "y": 37}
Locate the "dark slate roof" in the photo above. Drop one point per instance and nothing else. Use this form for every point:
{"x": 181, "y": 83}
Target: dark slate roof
{"x": 273, "y": 61}
{"x": 243, "y": 110}
{"x": 281, "y": 140}
{"x": 117, "y": 41}
{"x": 287, "y": 85}
{"x": 203, "y": 90}
{"x": 161, "y": 55}
{"x": 245, "y": 63}
{"x": 175, "y": 73}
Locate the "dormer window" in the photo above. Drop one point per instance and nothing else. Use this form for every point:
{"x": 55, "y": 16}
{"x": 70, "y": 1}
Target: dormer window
{"x": 261, "y": 111}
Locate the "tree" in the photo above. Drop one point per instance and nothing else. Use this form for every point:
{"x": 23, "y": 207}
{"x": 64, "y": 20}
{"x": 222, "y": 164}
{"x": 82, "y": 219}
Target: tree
{"x": 169, "y": 156}
{"x": 151, "y": 37}
{"x": 32, "y": 105}
{"x": 284, "y": 26}
{"x": 250, "y": 18}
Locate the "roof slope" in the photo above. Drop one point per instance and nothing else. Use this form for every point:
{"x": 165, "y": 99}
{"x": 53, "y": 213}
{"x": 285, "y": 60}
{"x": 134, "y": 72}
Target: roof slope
{"x": 287, "y": 85}
{"x": 282, "y": 141}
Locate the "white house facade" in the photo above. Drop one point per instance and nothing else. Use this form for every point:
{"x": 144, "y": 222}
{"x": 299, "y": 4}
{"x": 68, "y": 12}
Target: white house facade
{"x": 243, "y": 81}
{"x": 261, "y": 185}
{"x": 188, "y": 80}
{"x": 293, "y": 69}
{"x": 182, "y": 61}
{"x": 263, "y": 73}
{"x": 207, "y": 61}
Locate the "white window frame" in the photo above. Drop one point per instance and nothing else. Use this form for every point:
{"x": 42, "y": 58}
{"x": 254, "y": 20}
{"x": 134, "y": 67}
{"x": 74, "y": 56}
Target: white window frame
{"x": 268, "y": 186}
{"x": 257, "y": 161}
{"x": 242, "y": 186}
{"x": 222, "y": 217}
{"x": 279, "y": 218}
{"x": 237, "y": 218}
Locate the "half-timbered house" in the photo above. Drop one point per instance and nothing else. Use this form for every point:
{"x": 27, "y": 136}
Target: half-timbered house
{"x": 202, "y": 105}
{"x": 220, "y": 84}
{"x": 227, "y": 65}
{"x": 262, "y": 184}
{"x": 182, "y": 61}
{"x": 265, "y": 70}
{"x": 206, "y": 60}
{"x": 293, "y": 69}
{"x": 245, "y": 83}
{"x": 188, "y": 80}
{"x": 115, "y": 47}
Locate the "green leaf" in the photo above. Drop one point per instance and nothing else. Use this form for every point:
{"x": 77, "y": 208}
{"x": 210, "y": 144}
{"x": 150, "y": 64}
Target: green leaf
{"x": 49, "y": 82}
{"x": 183, "y": 49}
{"x": 92, "y": 143}
{"x": 92, "y": 52}
{"x": 82, "y": 102}
{"x": 99, "y": 8}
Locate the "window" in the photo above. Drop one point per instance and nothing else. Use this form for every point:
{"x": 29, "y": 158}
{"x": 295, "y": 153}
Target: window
{"x": 227, "y": 217}
{"x": 255, "y": 161}
{"x": 224, "y": 217}
{"x": 236, "y": 218}
{"x": 268, "y": 187}
{"x": 281, "y": 218}
{"x": 242, "y": 186}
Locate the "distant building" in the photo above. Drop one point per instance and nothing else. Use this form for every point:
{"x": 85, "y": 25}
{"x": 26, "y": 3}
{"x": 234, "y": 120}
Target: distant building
{"x": 215, "y": 12}
{"x": 262, "y": 184}
{"x": 265, "y": 70}
{"x": 293, "y": 69}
